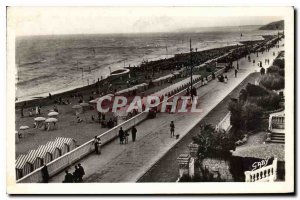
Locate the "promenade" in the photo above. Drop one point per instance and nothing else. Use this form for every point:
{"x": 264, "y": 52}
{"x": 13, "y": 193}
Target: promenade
{"x": 127, "y": 163}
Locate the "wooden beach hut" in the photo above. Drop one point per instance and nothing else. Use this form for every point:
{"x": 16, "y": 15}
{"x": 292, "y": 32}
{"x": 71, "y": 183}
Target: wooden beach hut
{"x": 42, "y": 152}
{"x": 70, "y": 143}
{"x": 34, "y": 160}
{"x": 23, "y": 167}
{"x": 53, "y": 149}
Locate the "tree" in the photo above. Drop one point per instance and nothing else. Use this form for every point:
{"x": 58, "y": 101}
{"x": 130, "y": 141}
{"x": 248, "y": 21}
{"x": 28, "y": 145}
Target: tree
{"x": 213, "y": 143}
{"x": 245, "y": 115}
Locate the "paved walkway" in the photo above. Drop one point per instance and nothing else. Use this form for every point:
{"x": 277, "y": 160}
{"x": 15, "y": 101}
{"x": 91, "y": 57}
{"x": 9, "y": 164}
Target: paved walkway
{"x": 166, "y": 169}
{"x": 127, "y": 163}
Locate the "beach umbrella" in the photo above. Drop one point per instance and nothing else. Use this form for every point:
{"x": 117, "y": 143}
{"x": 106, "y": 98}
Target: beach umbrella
{"x": 76, "y": 106}
{"x": 51, "y": 114}
{"x": 51, "y": 120}
{"x": 38, "y": 119}
{"x": 78, "y": 109}
{"x": 24, "y": 127}
{"x": 84, "y": 104}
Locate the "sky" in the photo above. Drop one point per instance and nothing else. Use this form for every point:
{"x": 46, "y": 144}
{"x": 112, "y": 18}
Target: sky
{"x": 95, "y": 20}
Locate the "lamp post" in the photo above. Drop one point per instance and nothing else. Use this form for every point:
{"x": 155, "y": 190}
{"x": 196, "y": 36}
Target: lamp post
{"x": 191, "y": 68}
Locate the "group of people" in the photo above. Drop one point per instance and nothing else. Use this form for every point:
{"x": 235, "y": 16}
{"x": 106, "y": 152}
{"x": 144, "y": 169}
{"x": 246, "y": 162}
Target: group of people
{"x": 192, "y": 92}
{"x": 32, "y": 111}
{"x": 76, "y": 177}
{"x": 123, "y": 135}
{"x": 62, "y": 101}
{"x": 267, "y": 61}
{"x": 223, "y": 78}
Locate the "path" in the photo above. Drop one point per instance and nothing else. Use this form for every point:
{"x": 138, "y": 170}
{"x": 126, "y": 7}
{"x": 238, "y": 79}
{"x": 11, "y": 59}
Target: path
{"x": 127, "y": 163}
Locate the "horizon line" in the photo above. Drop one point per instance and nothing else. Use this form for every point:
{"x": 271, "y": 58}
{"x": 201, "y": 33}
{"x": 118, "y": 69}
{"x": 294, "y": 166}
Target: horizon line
{"x": 174, "y": 31}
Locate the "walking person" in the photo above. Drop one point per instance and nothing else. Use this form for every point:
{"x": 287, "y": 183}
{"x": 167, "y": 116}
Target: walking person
{"x": 81, "y": 173}
{"x": 99, "y": 145}
{"x": 133, "y": 133}
{"x": 45, "y": 174}
{"x": 235, "y": 72}
{"x": 126, "y": 137}
{"x": 96, "y": 145}
{"x": 121, "y": 135}
{"x": 36, "y": 110}
{"x": 172, "y": 128}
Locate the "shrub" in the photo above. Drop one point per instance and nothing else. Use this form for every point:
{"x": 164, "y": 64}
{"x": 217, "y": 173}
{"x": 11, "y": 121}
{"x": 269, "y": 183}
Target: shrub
{"x": 213, "y": 143}
{"x": 243, "y": 95}
{"x": 274, "y": 69}
{"x": 255, "y": 90}
{"x": 251, "y": 114}
{"x": 236, "y": 114}
{"x": 279, "y": 63}
{"x": 245, "y": 117}
{"x": 272, "y": 82}
{"x": 269, "y": 102}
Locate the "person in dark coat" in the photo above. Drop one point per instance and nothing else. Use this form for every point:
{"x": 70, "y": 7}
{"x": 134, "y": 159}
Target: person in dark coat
{"x": 133, "y": 133}
{"x": 96, "y": 145}
{"x": 262, "y": 71}
{"x": 172, "y": 128}
{"x": 235, "y": 72}
{"x": 68, "y": 177}
{"x": 121, "y": 135}
{"x": 76, "y": 174}
{"x": 81, "y": 173}
{"x": 45, "y": 174}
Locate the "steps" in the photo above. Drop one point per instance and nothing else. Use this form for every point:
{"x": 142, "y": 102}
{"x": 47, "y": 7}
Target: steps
{"x": 277, "y": 138}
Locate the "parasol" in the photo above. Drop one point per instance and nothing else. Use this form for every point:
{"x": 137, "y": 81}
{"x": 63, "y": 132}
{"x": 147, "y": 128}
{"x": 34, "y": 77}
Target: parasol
{"x": 24, "y": 127}
{"x": 51, "y": 120}
{"x": 50, "y": 114}
{"x": 38, "y": 119}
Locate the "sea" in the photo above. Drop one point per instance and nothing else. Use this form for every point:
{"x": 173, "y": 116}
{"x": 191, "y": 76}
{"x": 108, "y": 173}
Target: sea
{"x": 57, "y": 63}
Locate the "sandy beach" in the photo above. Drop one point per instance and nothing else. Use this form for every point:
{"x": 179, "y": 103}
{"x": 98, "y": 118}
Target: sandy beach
{"x": 82, "y": 132}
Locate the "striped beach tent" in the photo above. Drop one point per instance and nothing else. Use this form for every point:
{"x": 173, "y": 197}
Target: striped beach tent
{"x": 19, "y": 166}
{"x": 69, "y": 142}
{"x": 33, "y": 159}
{"x": 23, "y": 167}
{"x": 42, "y": 152}
{"x": 60, "y": 145}
{"x": 53, "y": 149}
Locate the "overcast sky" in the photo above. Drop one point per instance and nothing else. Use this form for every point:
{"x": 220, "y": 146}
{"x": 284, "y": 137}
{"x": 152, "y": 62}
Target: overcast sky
{"x": 88, "y": 20}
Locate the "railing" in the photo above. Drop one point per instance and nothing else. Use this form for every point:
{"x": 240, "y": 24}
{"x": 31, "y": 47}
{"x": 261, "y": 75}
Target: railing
{"x": 78, "y": 153}
{"x": 264, "y": 174}
{"x": 276, "y": 121}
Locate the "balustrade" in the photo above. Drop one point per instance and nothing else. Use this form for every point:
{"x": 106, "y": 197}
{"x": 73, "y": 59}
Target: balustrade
{"x": 264, "y": 174}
